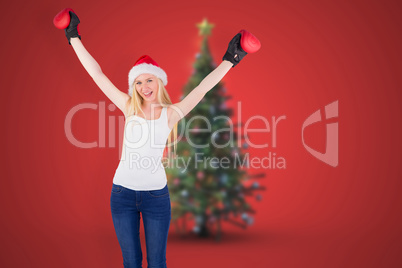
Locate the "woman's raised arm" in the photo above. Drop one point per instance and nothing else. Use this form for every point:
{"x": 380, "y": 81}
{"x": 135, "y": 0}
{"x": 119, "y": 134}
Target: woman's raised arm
{"x": 234, "y": 54}
{"x": 119, "y": 98}
{"x": 183, "y": 107}
{"x": 68, "y": 16}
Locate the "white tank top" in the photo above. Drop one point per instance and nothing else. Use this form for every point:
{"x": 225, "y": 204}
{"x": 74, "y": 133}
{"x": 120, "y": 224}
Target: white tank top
{"x": 140, "y": 167}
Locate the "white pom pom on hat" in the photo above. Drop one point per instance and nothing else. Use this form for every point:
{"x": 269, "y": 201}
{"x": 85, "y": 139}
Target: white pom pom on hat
{"x": 145, "y": 65}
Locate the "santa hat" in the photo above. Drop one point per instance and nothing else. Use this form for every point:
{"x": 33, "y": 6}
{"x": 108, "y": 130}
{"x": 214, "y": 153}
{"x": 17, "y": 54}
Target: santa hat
{"x": 145, "y": 65}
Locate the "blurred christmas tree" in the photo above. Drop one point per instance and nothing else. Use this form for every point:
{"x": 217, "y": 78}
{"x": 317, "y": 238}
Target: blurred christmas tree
{"x": 205, "y": 191}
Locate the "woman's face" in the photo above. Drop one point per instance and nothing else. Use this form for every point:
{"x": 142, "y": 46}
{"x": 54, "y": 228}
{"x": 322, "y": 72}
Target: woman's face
{"x": 147, "y": 86}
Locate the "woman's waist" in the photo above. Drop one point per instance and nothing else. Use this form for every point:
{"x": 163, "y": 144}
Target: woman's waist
{"x": 153, "y": 156}
{"x": 146, "y": 164}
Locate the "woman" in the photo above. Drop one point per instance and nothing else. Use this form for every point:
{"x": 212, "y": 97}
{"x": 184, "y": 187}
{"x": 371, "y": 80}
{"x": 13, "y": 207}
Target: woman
{"x": 140, "y": 188}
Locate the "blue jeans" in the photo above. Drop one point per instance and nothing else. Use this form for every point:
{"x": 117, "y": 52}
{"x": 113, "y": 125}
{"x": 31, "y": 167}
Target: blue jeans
{"x": 127, "y": 206}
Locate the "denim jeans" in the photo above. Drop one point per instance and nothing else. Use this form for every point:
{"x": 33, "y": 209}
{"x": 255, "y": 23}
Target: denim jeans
{"x": 127, "y": 206}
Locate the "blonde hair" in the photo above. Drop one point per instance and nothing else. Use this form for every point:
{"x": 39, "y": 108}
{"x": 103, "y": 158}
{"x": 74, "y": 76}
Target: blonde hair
{"x": 134, "y": 108}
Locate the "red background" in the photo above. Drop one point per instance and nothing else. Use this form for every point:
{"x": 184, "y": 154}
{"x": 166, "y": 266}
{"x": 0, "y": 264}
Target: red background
{"x": 55, "y": 196}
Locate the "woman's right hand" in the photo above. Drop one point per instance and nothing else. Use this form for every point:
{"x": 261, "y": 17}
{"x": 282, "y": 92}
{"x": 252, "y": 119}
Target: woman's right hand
{"x": 72, "y": 29}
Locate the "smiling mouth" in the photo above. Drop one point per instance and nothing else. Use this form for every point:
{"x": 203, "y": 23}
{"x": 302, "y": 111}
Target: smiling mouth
{"x": 148, "y": 94}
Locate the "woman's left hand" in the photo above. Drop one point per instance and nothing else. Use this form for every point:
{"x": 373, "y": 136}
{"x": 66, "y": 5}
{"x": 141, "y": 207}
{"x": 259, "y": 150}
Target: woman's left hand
{"x": 235, "y": 52}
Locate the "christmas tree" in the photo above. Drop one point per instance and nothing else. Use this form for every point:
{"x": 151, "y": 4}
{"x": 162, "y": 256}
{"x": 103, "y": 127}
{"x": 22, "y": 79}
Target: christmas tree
{"x": 203, "y": 191}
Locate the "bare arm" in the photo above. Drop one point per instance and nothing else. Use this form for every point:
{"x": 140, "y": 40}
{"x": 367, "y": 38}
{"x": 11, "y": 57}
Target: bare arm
{"x": 182, "y": 108}
{"x": 119, "y": 98}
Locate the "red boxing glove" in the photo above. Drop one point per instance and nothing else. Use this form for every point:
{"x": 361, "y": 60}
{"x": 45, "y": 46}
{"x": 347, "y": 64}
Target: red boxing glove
{"x": 62, "y": 19}
{"x": 249, "y": 42}
{"x": 69, "y": 21}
